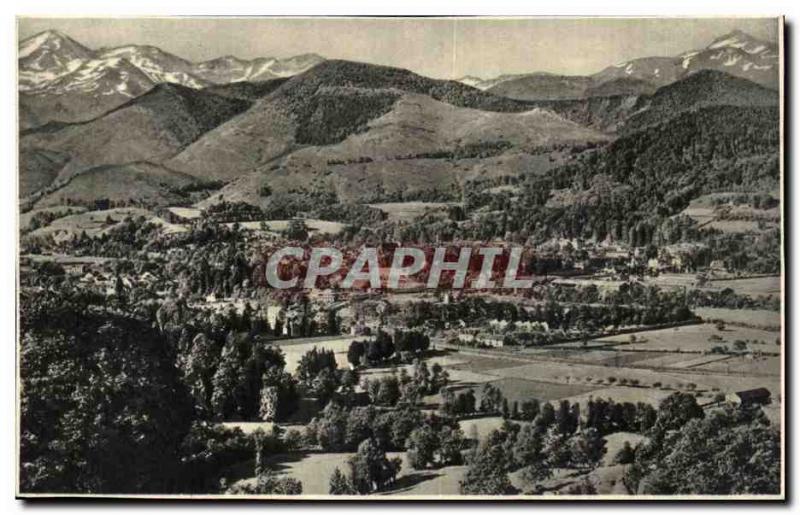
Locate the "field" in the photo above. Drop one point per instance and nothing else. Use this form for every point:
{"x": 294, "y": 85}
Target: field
{"x": 56, "y": 212}
{"x": 95, "y": 223}
{"x": 517, "y": 389}
{"x": 315, "y": 469}
{"x": 294, "y": 349}
{"x": 721, "y": 217}
{"x": 745, "y": 364}
{"x": 190, "y": 213}
{"x": 754, "y": 286}
{"x": 408, "y": 211}
{"x": 734, "y": 226}
{"x": 760, "y": 318}
{"x": 690, "y": 338}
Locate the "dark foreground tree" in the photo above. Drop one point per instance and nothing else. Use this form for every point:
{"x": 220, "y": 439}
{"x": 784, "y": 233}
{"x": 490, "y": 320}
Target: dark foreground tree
{"x": 370, "y": 470}
{"x": 728, "y": 452}
{"x": 102, "y": 408}
{"x": 487, "y": 472}
{"x": 269, "y": 483}
{"x": 340, "y": 485}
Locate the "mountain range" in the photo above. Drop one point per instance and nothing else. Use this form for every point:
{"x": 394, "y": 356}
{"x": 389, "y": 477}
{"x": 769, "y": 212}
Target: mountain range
{"x": 737, "y": 53}
{"x": 359, "y": 132}
{"x": 60, "y": 79}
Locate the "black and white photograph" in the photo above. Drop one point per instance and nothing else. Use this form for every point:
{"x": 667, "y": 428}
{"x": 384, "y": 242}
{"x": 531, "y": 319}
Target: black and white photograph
{"x": 400, "y": 258}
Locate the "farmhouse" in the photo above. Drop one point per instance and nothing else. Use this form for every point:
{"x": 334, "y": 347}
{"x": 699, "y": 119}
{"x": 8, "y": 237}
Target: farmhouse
{"x": 749, "y": 397}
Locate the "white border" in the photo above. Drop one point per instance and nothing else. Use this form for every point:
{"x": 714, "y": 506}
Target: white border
{"x": 319, "y": 7}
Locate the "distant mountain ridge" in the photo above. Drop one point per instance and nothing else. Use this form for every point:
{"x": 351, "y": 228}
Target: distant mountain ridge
{"x": 612, "y": 109}
{"x": 151, "y": 127}
{"x": 362, "y": 132}
{"x": 736, "y": 53}
{"x": 61, "y": 79}
{"x": 50, "y": 55}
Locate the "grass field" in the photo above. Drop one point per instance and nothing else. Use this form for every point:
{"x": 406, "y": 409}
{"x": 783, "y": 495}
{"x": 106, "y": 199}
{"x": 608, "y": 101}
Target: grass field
{"x": 315, "y": 469}
{"x": 56, "y": 211}
{"x": 293, "y": 350}
{"x": 475, "y": 363}
{"x": 704, "y": 211}
{"x": 408, "y": 211}
{"x": 761, "y": 318}
{"x": 600, "y": 356}
{"x": 745, "y": 364}
{"x": 769, "y": 285}
{"x": 695, "y": 338}
{"x": 95, "y": 223}
{"x": 517, "y": 389}
{"x": 733, "y": 226}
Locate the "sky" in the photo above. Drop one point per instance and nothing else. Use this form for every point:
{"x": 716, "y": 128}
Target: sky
{"x": 445, "y": 48}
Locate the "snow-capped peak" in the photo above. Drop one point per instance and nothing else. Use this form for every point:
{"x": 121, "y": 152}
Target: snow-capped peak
{"x": 741, "y": 40}
{"x": 159, "y": 66}
{"x": 52, "y": 41}
{"x": 48, "y": 57}
{"x": 470, "y": 80}
{"x": 294, "y": 65}
{"x": 103, "y": 76}
{"x": 232, "y": 69}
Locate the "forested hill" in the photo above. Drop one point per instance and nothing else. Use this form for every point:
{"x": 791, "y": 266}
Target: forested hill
{"x": 630, "y": 187}
{"x": 621, "y": 111}
{"x": 351, "y": 74}
{"x": 713, "y": 148}
{"x": 704, "y": 88}
{"x": 337, "y": 98}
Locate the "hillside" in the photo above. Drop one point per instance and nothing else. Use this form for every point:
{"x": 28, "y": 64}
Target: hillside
{"x": 420, "y": 145}
{"x": 26, "y": 118}
{"x": 625, "y": 86}
{"x": 141, "y": 183}
{"x": 605, "y": 114}
{"x": 737, "y": 54}
{"x": 626, "y": 112}
{"x": 95, "y": 87}
{"x": 630, "y": 189}
{"x": 38, "y": 169}
{"x": 694, "y": 153}
{"x": 704, "y": 88}
{"x": 360, "y": 132}
{"x": 153, "y": 127}
{"x": 322, "y": 106}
